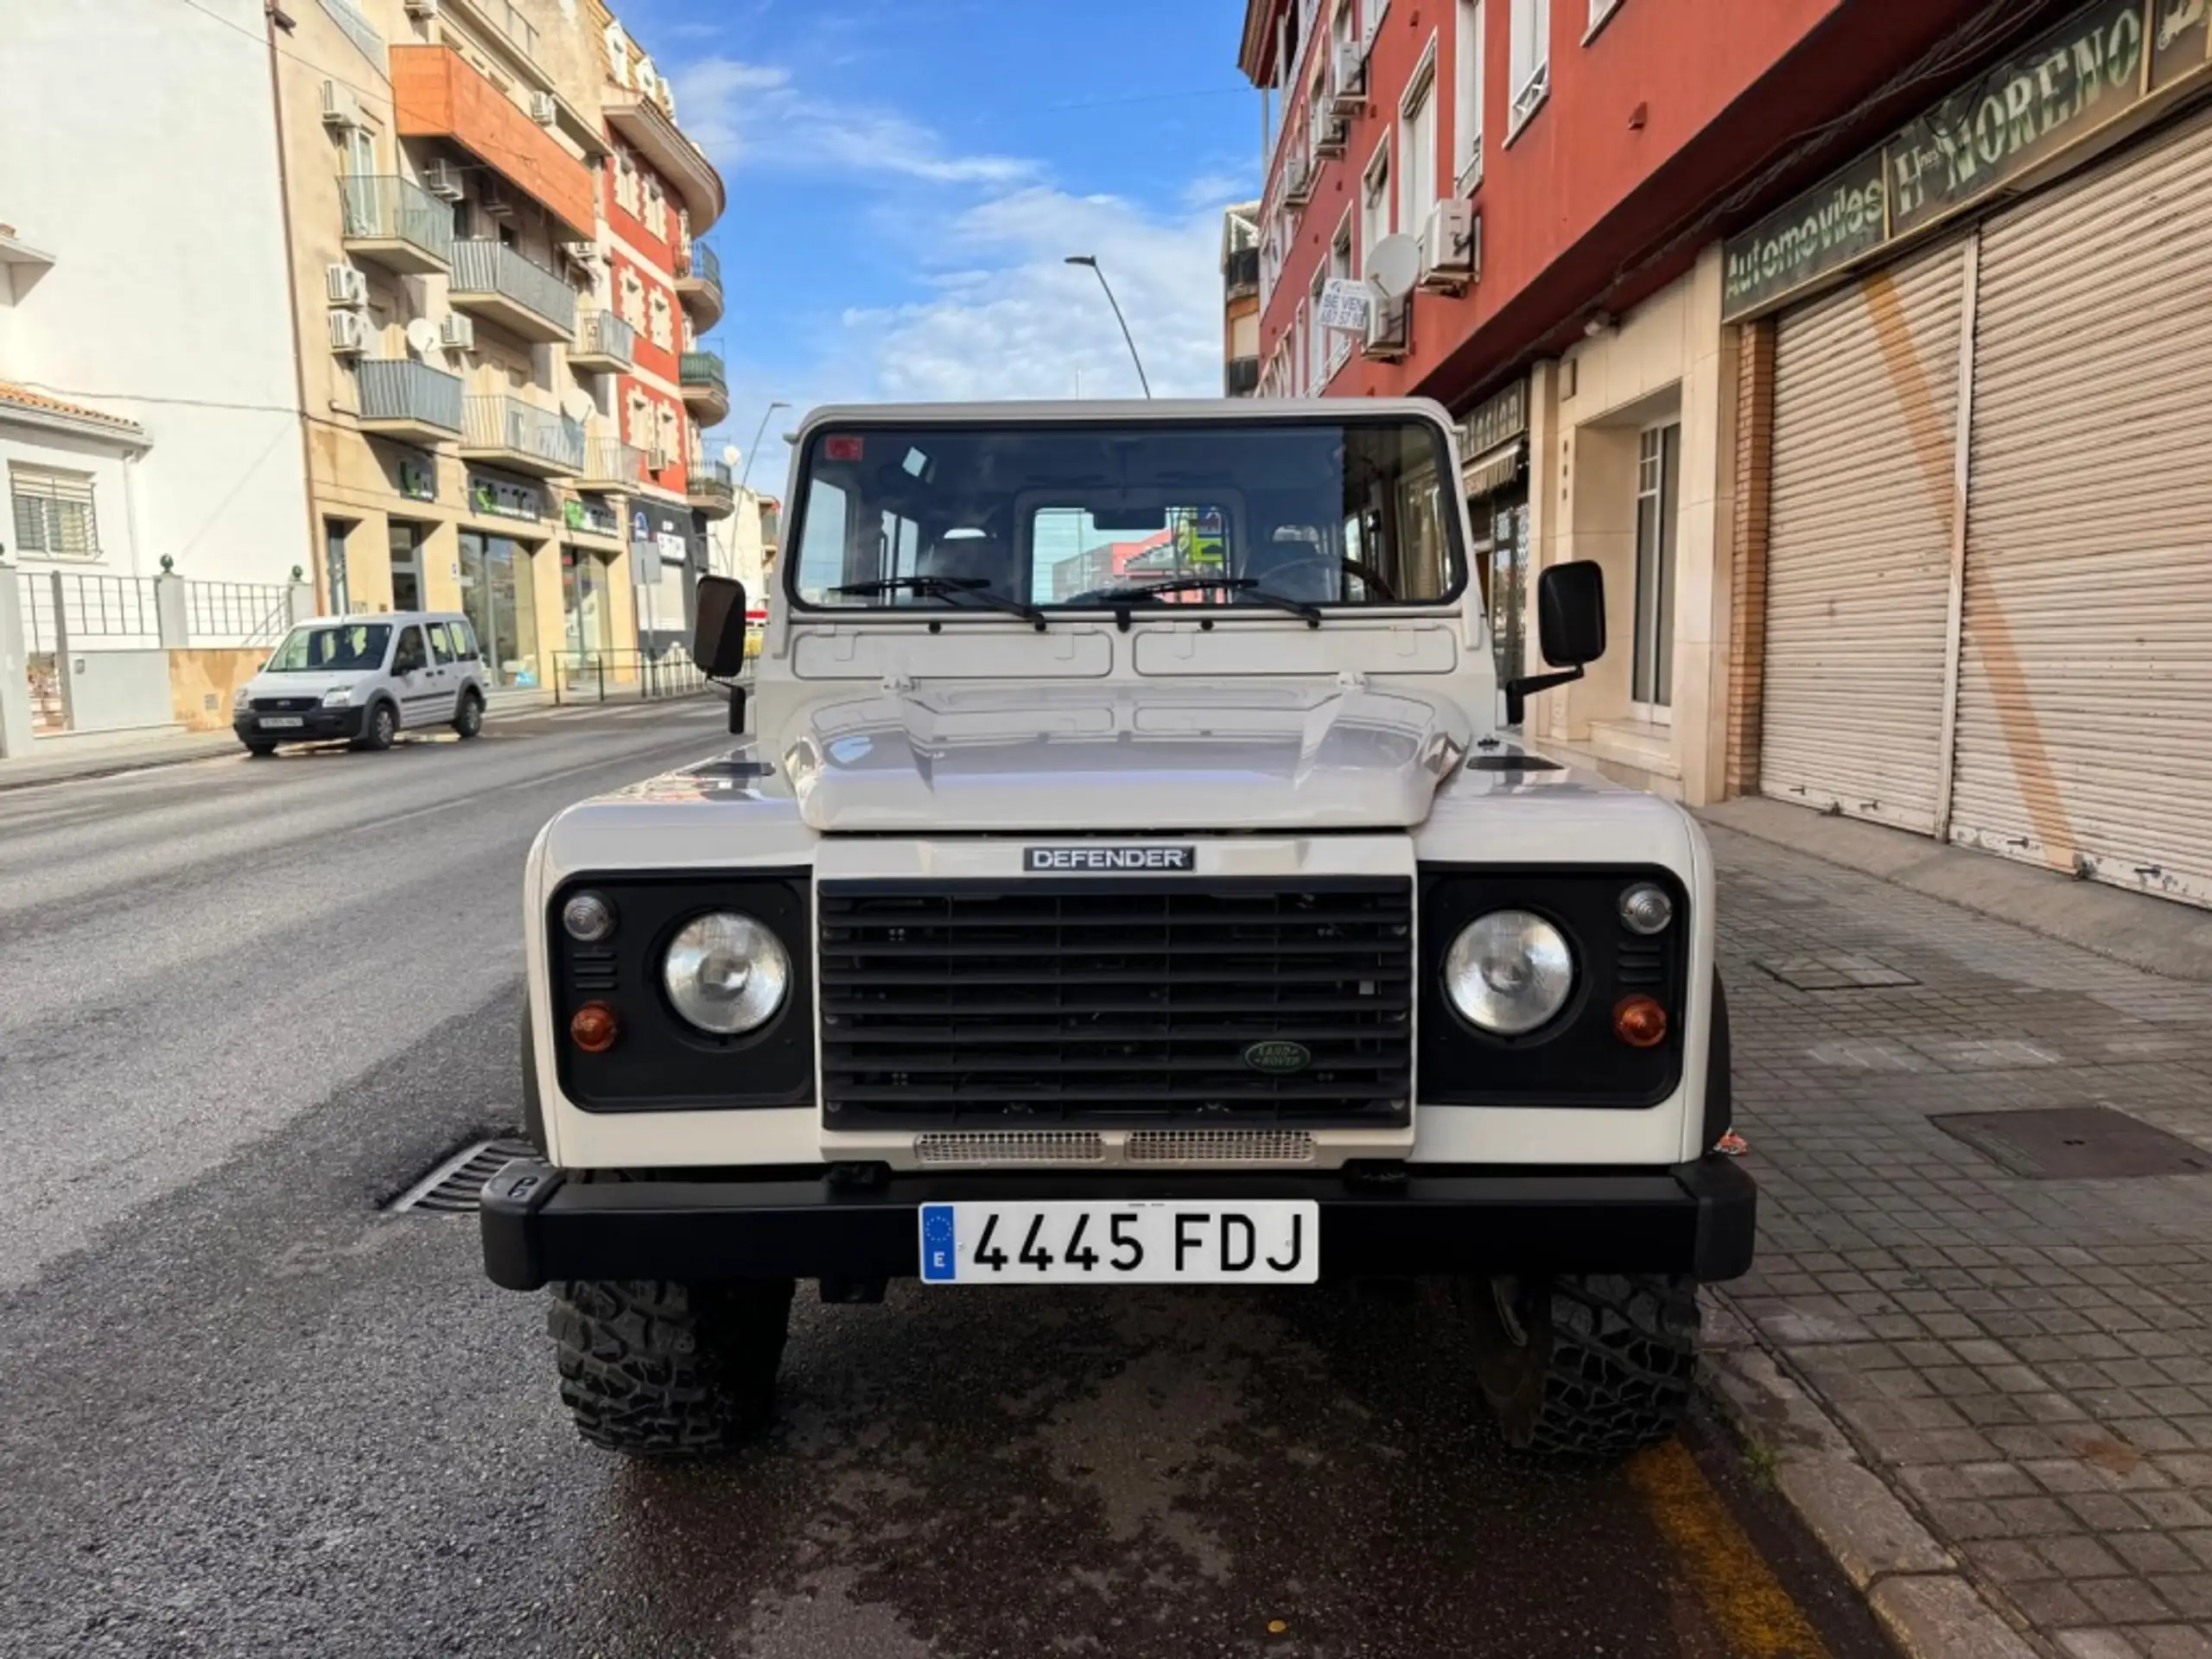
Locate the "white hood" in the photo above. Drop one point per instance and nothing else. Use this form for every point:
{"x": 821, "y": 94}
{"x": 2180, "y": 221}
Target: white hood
{"x": 1209, "y": 755}
{"x": 307, "y": 682}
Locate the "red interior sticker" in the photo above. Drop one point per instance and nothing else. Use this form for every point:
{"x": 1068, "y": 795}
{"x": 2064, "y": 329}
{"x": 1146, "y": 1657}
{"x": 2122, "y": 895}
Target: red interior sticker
{"x": 841, "y": 448}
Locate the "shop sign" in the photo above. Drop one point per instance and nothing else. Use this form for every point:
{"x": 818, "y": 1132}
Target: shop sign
{"x": 1501, "y": 416}
{"x": 2178, "y": 40}
{"x": 2030, "y": 109}
{"x": 671, "y": 546}
{"x": 418, "y": 480}
{"x": 500, "y": 498}
{"x": 2068, "y": 84}
{"x": 588, "y": 513}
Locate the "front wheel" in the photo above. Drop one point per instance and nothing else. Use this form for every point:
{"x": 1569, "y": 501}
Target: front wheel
{"x": 1584, "y": 1369}
{"x": 654, "y": 1369}
{"x": 261, "y": 751}
{"x": 469, "y": 719}
{"x": 379, "y": 727}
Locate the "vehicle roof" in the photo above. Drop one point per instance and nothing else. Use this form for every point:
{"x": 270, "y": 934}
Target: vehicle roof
{"x": 385, "y": 616}
{"x": 1090, "y": 410}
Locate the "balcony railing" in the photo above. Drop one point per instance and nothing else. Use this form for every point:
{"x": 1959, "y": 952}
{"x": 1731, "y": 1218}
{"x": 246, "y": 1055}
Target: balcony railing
{"x": 601, "y": 336}
{"x": 1241, "y": 276}
{"x": 486, "y": 268}
{"x": 384, "y": 207}
{"x": 699, "y": 262}
{"x": 400, "y": 388}
{"x": 612, "y": 464}
{"x": 496, "y": 421}
{"x": 710, "y": 489}
{"x": 703, "y": 369}
{"x": 508, "y": 19}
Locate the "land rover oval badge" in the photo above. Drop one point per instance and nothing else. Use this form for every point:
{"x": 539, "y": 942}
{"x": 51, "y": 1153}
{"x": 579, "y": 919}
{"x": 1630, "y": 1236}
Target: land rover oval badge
{"x": 1278, "y": 1058}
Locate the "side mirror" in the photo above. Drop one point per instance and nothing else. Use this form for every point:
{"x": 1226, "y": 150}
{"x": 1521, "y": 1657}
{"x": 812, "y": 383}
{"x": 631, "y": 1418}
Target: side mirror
{"x": 1570, "y": 613}
{"x": 1570, "y": 630}
{"x": 718, "y": 631}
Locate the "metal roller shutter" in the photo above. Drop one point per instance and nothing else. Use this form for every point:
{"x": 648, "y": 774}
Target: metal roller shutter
{"x": 1858, "y": 563}
{"x": 2085, "y": 690}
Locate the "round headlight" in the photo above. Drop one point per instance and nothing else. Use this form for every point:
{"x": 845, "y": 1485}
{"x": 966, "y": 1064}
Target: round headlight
{"x": 1509, "y": 971}
{"x": 588, "y": 918}
{"x": 727, "y": 974}
{"x": 1646, "y": 909}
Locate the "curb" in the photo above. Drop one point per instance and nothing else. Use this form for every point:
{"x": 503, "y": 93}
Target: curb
{"x": 114, "y": 768}
{"x": 1926, "y": 1602}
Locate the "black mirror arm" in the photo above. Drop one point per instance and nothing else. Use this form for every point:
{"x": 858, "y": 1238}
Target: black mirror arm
{"x": 1517, "y": 692}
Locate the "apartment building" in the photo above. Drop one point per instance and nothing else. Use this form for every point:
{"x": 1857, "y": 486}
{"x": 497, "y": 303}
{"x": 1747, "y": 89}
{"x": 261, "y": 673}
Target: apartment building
{"x": 452, "y": 169}
{"x": 1827, "y": 329}
{"x": 1240, "y": 300}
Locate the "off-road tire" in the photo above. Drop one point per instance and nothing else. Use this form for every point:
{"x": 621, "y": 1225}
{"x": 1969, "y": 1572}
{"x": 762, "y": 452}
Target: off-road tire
{"x": 1588, "y": 1368}
{"x": 378, "y": 726}
{"x": 655, "y": 1368}
{"x": 469, "y": 716}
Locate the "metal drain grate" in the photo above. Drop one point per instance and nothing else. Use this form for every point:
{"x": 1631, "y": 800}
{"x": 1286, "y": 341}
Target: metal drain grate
{"x": 1838, "y": 971}
{"x": 2080, "y": 1143}
{"x": 454, "y": 1187}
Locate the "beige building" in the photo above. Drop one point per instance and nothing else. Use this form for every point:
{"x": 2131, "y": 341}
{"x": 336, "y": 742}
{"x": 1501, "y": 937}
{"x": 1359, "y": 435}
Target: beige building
{"x": 463, "y": 353}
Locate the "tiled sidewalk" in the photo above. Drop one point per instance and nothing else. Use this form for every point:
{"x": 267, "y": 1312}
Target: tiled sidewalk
{"x": 2028, "y": 1361}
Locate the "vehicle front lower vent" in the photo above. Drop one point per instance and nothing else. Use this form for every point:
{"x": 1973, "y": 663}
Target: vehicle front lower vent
{"x": 1219, "y": 1147}
{"x": 1138, "y": 1003}
{"x": 1004, "y": 1147}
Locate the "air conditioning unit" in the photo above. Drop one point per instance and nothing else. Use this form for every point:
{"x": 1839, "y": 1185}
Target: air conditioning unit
{"x": 457, "y": 333}
{"x": 349, "y": 333}
{"x": 493, "y": 199}
{"x": 544, "y": 109}
{"x": 1298, "y": 179}
{"x": 1348, "y": 79}
{"x": 442, "y": 179}
{"x": 422, "y": 8}
{"x": 345, "y": 285}
{"x": 1451, "y": 246}
{"x": 580, "y": 253}
{"x": 340, "y": 107}
{"x": 658, "y": 460}
{"x": 1387, "y": 327}
{"x": 1332, "y": 135}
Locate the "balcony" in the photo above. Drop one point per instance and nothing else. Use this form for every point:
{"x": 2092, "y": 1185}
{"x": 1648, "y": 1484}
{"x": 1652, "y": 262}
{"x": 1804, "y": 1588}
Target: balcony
{"x": 497, "y": 284}
{"x": 710, "y": 490}
{"x": 1240, "y": 376}
{"x": 511, "y": 433}
{"x": 1240, "y": 276}
{"x": 402, "y": 398}
{"x": 605, "y": 344}
{"x": 699, "y": 283}
{"x": 706, "y": 393}
{"x": 639, "y": 119}
{"x": 611, "y": 465}
{"x": 396, "y": 223}
{"x": 436, "y": 93}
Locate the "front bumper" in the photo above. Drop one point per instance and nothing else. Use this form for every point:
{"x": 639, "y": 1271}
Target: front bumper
{"x": 316, "y": 725}
{"x": 1694, "y": 1218}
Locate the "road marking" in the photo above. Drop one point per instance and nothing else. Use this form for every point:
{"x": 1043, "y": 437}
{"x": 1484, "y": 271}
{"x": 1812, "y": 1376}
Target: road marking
{"x": 1754, "y": 1613}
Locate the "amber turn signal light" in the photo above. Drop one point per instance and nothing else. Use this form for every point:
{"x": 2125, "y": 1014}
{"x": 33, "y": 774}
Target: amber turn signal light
{"x": 1640, "y": 1022}
{"x": 593, "y": 1028}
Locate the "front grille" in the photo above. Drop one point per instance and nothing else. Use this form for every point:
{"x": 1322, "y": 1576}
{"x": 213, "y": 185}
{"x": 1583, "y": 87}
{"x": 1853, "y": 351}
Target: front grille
{"x": 1223, "y": 1002}
{"x": 285, "y": 705}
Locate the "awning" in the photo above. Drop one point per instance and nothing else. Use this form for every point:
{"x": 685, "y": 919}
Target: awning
{"x": 1495, "y": 468}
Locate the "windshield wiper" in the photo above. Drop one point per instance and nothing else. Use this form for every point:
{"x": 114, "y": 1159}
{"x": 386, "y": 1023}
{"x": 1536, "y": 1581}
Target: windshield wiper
{"x": 951, "y": 589}
{"x": 1134, "y": 594}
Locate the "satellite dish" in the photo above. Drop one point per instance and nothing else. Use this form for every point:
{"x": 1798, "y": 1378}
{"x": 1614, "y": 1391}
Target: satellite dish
{"x": 422, "y": 336}
{"x": 579, "y": 406}
{"x": 731, "y": 455}
{"x": 1394, "y": 265}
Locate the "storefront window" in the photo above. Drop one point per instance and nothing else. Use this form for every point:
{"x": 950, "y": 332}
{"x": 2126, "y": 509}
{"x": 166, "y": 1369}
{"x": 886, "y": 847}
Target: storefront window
{"x": 584, "y": 602}
{"x": 406, "y": 566}
{"x": 1508, "y": 585}
{"x": 496, "y": 596}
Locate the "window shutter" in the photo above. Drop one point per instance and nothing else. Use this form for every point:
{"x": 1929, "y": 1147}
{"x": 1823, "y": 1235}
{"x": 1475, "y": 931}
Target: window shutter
{"x": 54, "y": 511}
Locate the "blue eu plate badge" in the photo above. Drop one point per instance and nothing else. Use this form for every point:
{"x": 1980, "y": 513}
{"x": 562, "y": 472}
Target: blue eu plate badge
{"x": 936, "y": 1242}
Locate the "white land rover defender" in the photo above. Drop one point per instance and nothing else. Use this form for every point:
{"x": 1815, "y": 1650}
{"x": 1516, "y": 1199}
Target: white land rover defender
{"x": 1127, "y": 874}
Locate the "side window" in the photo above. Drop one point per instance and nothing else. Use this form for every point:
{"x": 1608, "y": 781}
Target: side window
{"x": 464, "y": 641}
{"x": 823, "y": 559}
{"x": 440, "y": 647}
{"x": 410, "y": 656}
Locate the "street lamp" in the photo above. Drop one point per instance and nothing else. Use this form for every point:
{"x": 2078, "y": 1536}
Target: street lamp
{"x": 755, "y": 448}
{"x": 1091, "y": 259}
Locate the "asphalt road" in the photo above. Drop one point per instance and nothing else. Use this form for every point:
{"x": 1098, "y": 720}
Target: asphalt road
{"x": 247, "y": 1411}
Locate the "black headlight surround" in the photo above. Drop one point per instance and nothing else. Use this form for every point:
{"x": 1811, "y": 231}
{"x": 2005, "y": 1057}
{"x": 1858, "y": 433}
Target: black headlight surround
{"x": 662, "y": 1062}
{"x": 1573, "y": 1059}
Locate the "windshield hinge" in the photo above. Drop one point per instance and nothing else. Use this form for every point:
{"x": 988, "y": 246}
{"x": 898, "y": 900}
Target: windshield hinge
{"x": 898, "y": 682}
{"x": 1350, "y": 679}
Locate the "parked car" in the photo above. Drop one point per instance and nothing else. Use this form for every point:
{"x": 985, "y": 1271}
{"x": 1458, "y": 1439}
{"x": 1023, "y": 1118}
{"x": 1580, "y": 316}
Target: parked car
{"x": 365, "y": 679}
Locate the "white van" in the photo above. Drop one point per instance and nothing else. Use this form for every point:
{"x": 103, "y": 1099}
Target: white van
{"x": 365, "y": 679}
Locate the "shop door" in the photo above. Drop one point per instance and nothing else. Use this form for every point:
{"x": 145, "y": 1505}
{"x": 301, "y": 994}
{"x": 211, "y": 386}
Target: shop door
{"x": 588, "y": 627}
{"x": 1859, "y": 551}
{"x": 498, "y": 598}
{"x": 2085, "y": 668}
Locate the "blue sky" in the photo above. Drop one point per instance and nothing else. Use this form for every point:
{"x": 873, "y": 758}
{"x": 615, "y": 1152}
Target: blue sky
{"x": 905, "y": 179}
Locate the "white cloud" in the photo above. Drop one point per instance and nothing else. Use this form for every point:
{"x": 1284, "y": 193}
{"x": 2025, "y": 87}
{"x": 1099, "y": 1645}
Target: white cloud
{"x": 756, "y": 115}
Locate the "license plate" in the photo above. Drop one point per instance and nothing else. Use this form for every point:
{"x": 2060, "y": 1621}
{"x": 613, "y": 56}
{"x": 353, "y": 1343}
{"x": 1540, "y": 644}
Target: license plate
{"x": 269, "y": 722}
{"x": 1137, "y": 1242}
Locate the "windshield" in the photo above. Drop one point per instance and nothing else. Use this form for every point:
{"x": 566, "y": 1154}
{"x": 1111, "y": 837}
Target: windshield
{"x": 331, "y": 646}
{"x": 1255, "y": 513}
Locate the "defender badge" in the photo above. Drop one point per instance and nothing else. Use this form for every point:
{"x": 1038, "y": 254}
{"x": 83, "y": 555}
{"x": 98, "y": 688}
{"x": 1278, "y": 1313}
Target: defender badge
{"x": 1278, "y": 1057}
